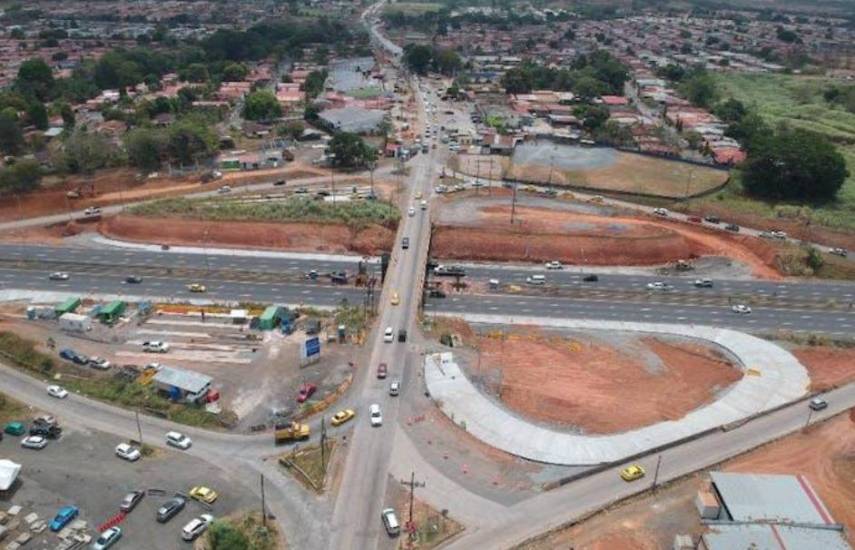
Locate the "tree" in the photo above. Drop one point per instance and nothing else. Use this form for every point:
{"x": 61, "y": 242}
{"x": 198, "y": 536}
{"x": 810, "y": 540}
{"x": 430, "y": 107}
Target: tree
{"x": 730, "y": 111}
{"x": 224, "y": 536}
{"x": 349, "y": 151}
{"x": 37, "y": 115}
{"x": 593, "y": 116}
{"x": 699, "y": 89}
{"x": 748, "y": 130}
{"x": 788, "y": 36}
{"x": 21, "y": 177}
{"x": 86, "y": 152}
{"x": 196, "y": 72}
{"x": 234, "y": 72}
{"x": 189, "y": 140}
{"x": 515, "y": 82}
{"x": 314, "y": 84}
{"x": 11, "y": 136}
{"x": 35, "y": 78}
{"x": 261, "y": 105}
{"x": 794, "y": 165}
{"x": 446, "y": 61}
{"x": 145, "y": 148}
{"x": 418, "y": 57}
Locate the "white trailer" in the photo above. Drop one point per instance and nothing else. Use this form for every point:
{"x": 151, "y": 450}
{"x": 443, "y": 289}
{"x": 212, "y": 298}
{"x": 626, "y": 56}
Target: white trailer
{"x": 74, "y": 322}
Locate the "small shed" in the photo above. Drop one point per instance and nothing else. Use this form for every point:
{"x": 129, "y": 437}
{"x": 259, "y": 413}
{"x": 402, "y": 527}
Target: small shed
{"x": 270, "y": 318}
{"x": 110, "y": 313}
{"x": 183, "y": 384}
{"x": 68, "y": 306}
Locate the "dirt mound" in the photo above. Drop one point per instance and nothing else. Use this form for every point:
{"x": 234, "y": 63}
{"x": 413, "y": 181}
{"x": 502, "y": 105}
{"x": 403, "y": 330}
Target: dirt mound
{"x": 304, "y": 237}
{"x": 828, "y": 367}
{"x": 601, "y": 387}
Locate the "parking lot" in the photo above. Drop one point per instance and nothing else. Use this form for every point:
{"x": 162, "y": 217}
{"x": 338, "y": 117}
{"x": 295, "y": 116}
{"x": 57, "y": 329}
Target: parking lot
{"x": 81, "y": 469}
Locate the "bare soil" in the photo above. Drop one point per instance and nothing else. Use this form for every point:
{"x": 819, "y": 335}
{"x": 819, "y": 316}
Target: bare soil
{"x": 594, "y": 384}
{"x": 304, "y": 237}
{"x": 828, "y": 367}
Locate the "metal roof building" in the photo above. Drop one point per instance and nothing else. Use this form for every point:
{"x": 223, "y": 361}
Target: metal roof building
{"x": 185, "y": 380}
{"x": 769, "y": 498}
{"x": 773, "y": 537}
{"x": 352, "y": 119}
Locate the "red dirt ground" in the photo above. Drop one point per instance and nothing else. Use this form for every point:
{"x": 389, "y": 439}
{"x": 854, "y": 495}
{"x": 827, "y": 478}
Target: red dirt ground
{"x": 595, "y": 386}
{"x": 828, "y": 367}
{"x": 305, "y": 237}
{"x": 584, "y": 239}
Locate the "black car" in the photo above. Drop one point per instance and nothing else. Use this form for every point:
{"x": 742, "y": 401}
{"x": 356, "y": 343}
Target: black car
{"x": 170, "y": 509}
{"x": 279, "y": 182}
{"x": 732, "y": 227}
{"x": 712, "y": 219}
{"x": 590, "y": 278}
{"x": 402, "y": 335}
{"x": 436, "y": 293}
{"x": 133, "y": 279}
{"x": 44, "y": 430}
{"x": 131, "y": 500}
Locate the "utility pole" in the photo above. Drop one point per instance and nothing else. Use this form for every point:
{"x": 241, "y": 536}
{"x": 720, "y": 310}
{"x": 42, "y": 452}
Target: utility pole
{"x": 263, "y": 504}
{"x": 332, "y": 178}
{"x": 656, "y": 474}
{"x": 411, "y": 526}
{"x": 324, "y": 446}
{"x": 139, "y": 427}
{"x": 513, "y": 201}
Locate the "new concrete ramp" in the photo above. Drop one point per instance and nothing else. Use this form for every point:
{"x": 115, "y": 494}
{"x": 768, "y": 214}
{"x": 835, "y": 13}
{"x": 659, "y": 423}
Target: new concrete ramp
{"x": 772, "y": 377}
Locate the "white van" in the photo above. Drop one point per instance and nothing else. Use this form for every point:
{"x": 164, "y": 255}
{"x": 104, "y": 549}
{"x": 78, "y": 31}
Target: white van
{"x": 375, "y": 414}
{"x": 390, "y": 522}
{"x": 389, "y": 335}
{"x": 536, "y": 280}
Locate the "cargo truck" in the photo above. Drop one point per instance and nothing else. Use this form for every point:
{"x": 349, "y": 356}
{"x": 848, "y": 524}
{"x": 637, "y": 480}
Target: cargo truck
{"x": 292, "y": 432}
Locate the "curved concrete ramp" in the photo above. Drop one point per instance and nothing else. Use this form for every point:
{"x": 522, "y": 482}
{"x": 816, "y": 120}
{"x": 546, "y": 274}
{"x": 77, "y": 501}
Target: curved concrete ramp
{"x": 776, "y": 378}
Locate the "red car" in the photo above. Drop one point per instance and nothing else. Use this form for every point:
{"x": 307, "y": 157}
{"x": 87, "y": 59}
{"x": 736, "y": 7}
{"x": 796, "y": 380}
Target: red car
{"x": 306, "y": 391}
{"x": 381, "y": 370}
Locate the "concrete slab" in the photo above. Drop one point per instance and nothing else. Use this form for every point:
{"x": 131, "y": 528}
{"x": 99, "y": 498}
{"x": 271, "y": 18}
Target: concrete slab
{"x": 780, "y": 379}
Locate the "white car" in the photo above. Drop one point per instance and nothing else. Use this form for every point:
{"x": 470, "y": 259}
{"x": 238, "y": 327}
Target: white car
{"x": 155, "y": 347}
{"x": 128, "y": 452}
{"x": 658, "y": 285}
{"x": 555, "y": 264}
{"x": 389, "y": 335}
{"x": 224, "y": 189}
{"x": 740, "y": 308}
{"x": 58, "y": 276}
{"x": 779, "y": 235}
{"x": 394, "y": 388}
{"x": 411, "y": 211}
{"x": 423, "y": 205}
{"x": 179, "y": 440}
{"x": 660, "y": 212}
{"x": 57, "y": 391}
{"x": 196, "y": 527}
{"x": 99, "y": 363}
{"x": 375, "y": 415}
{"x": 34, "y": 442}
{"x": 838, "y": 252}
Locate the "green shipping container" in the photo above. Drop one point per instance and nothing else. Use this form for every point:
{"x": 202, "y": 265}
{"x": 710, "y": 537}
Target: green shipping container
{"x": 112, "y": 311}
{"x": 67, "y": 306}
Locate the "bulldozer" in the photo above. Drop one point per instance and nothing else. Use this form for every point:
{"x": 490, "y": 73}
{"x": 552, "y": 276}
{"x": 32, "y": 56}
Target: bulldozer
{"x": 292, "y": 432}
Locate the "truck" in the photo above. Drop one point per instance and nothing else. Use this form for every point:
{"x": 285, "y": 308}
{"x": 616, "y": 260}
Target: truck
{"x": 292, "y": 432}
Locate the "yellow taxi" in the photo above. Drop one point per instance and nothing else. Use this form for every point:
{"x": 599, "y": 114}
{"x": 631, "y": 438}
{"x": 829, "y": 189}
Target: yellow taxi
{"x": 196, "y": 287}
{"x": 395, "y": 299}
{"x": 341, "y": 417}
{"x": 203, "y": 494}
{"x": 631, "y": 473}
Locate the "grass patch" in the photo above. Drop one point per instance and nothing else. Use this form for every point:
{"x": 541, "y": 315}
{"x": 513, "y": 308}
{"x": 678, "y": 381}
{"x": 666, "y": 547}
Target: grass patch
{"x": 309, "y": 465}
{"x": 796, "y": 101}
{"x": 244, "y": 532}
{"x": 412, "y": 8}
{"x": 431, "y": 527}
{"x": 355, "y": 213}
{"x": 11, "y": 409}
{"x": 118, "y": 390}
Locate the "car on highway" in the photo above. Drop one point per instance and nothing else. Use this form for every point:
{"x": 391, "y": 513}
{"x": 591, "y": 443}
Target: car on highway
{"x": 155, "y": 346}
{"x": 278, "y": 183}
{"x": 375, "y": 415}
{"x": 133, "y": 279}
{"x": 179, "y": 440}
{"x": 92, "y": 211}
{"x": 382, "y": 370}
{"x": 390, "y": 522}
{"x": 203, "y": 494}
{"x": 712, "y": 219}
{"x": 394, "y": 388}
{"x": 306, "y": 391}
{"x": 196, "y": 287}
{"x": 57, "y": 391}
{"x": 659, "y": 285}
{"x": 418, "y": 194}
{"x": 817, "y": 404}
{"x": 766, "y": 235}
{"x": 395, "y": 298}
{"x": 36, "y": 442}
{"x": 592, "y": 278}
{"x": 128, "y": 452}
{"x": 341, "y": 417}
{"x": 170, "y": 508}
{"x": 402, "y": 335}
{"x": 411, "y": 211}
{"x": 58, "y": 276}
{"x": 732, "y": 227}
{"x": 63, "y": 517}
{"x": 405, "y": 243}
{"x": 780, "y": 235}
{"x": 694, "y": 219}
{"x": 130, "y": 501}
{"x": 740, "y": 308}
{"x": 555, "y": 264}
{"x": 536, "y": 280}
{"x": 196, "y": 527}
{"x": 107, "y": 538}
{"x": 389, "y": 335}
{"x": 660, "y": 212}
{"x": 224, "y": 189}
{"x": 632, "y": 472}
{"x": 423, "y": 205}
{"x": 838, "y": 252}
{"x": 99, "y": 363}
{"x": 703, "y": 283}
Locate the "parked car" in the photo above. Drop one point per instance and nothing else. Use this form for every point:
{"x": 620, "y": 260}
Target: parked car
{"x": 306, "y": 391}
{"x": 107, "y": 538}
{"x": 131, "y": 500}
{"x": 176, "y": 439}
{"x": 204, "y": 494}
{"x": 436, "y": 293}
{"x": 46, "y": 431}
{"x": 99, "y": 363}
{"x": 341, "y": 417}
{"x": 34, "y": 442}
{"x": 196, "y": 527}
{"x": 155, "y": 346}
{"x": 631, "y": 473}
{"x": 63, "y": 517}
{"x": 390, "y": 522}
{"x": 57, "y": 391}
{"x": 741, "y": 308}
{"x": 128, "y": 452}
{"x": 382, "y": 370}
{"x": 703, "y": 283}
{"x": 45, "y": 420}
{"x": 15, "y": 428}
{"x": 58, "y": 276}
{"x": 817, "y": 404}
{"x": 375, "y": 415}
{"x": 170, "y": 508}
{"x": 70, "y": 355}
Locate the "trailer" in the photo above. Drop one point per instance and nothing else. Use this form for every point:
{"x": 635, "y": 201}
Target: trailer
{"x": 73, "y": 322}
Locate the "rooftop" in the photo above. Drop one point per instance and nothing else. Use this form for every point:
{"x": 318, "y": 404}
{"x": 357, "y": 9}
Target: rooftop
{"x": 186, "y": 380}
{"x": 773, "y": 537}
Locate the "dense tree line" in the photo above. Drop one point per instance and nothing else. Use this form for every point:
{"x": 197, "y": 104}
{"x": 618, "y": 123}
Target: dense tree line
{"x": 588, "y": 76}
{"x": 421, "y": 58}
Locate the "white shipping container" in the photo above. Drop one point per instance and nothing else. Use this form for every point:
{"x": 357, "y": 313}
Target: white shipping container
{"x": 75, "y": 323}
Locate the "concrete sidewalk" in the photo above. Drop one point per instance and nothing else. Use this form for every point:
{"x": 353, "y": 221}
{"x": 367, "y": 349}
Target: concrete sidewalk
{"x": 776, "y": 378}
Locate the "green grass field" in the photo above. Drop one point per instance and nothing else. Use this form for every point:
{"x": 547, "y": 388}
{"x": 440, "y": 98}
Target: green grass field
{"x": 412, "y": 8}
{"x": 798, "y": 102}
